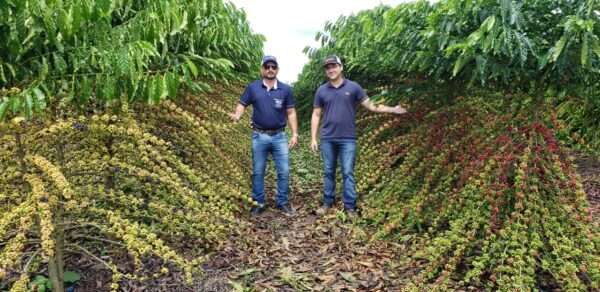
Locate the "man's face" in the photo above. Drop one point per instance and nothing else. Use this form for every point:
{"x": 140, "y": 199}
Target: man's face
{"x": 333, "y": 71}
{"x": 269, "y": 70}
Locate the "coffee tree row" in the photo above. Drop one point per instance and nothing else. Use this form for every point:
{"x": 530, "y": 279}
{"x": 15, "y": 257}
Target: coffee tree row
{"x": 109, "y": 136}
{"x": 478, "y": 178}
{"x": 484, "y": 193}
{"x": 81, "y": 51}
{"x": 442, "y": 50}
{"x": 143, "y": 180}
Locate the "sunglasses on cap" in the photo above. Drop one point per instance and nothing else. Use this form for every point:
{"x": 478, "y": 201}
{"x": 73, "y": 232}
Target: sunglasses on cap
{"x": 267, "y": 67}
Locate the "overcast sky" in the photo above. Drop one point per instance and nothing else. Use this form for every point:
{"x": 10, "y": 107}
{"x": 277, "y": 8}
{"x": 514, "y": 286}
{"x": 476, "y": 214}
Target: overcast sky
{"x": 289, "y": 26}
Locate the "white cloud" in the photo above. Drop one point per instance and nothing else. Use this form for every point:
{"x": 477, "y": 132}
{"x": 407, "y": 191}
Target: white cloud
{"x": 289, "y": 26}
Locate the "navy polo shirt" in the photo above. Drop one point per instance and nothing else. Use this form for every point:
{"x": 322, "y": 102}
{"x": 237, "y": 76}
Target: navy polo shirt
{"x": 269, "y": 111}
{"x": 339, "y": 105}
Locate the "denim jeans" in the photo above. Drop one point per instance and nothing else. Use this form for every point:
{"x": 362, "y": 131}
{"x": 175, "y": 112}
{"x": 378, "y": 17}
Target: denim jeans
{"x": 345, "y": 149}
{"x": 277, "y": 146}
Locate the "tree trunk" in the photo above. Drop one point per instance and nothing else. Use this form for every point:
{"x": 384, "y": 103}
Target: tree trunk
{"x": 21, "y": 160}
{"x": 56, "y": 264}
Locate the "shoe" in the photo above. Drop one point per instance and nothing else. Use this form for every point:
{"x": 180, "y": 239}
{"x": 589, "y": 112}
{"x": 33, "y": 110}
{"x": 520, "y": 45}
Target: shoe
{"x": 285, "y": 208}
{"x": 257, "y": 210}
{"x": 351, "y": 214}
{"x": 323, "y": 209}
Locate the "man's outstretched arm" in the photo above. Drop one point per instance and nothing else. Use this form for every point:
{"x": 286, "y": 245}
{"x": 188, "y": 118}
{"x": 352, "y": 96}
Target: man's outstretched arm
{"x": 382, "y": 108}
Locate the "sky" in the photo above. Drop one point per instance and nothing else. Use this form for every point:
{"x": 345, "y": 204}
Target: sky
{"x": 291, "y": 25}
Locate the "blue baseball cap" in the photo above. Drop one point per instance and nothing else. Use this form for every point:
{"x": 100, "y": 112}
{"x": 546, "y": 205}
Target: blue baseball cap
{"x": 268, "y": 58}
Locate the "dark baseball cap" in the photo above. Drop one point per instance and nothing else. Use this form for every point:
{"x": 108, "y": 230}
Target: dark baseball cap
{"x": 333, "y": 59}
{"x": 268, "y": 58}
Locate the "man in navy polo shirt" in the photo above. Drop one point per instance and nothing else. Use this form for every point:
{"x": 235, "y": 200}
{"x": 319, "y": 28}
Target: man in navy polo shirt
{"x": 272, "y": 102}
{"x": 338, "y": 98}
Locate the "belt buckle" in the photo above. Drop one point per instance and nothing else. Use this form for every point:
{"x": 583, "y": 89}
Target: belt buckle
{"x": 270, "y": 132}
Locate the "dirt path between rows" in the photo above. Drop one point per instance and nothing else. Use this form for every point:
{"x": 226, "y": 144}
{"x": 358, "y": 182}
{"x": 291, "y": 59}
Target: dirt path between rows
{"x": 304, "y": 252}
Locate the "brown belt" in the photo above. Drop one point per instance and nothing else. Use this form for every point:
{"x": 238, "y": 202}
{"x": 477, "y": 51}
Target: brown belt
{"x": 269, "y": 132}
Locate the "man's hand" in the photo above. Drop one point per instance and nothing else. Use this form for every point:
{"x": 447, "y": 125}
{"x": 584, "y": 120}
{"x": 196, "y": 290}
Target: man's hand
{"x": 314, "y": 146}
{"x": 399, "y": 110}
{"x": 234, "y": 117}
{"x": 294, "y": 141}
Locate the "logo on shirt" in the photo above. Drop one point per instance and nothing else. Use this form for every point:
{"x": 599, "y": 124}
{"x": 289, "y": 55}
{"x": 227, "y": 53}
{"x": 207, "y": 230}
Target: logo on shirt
{"x": 347, "y": 93}
{"x": 278, "y": 103}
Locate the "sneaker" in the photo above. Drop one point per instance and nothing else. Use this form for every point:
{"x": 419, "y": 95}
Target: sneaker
{"x": 323, "y": 209}
{"x": 285, "y": 208}
{"x": 351, "y": 214}
{"x": 257, "y": 210}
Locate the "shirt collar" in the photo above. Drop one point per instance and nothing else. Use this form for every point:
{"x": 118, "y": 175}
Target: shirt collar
{"x": 274, "y": 86}
{"x": 331, "y": 85}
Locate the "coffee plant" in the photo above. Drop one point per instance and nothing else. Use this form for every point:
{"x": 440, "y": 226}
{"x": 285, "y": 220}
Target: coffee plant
{"x": 79, "y": 51}
{"x": 437, "y": 51}
{"x": 478, "y": 178}
{"x": 112, "y": 144}
{"x": 118, "y": 178}
{"x": 485, "y": 193}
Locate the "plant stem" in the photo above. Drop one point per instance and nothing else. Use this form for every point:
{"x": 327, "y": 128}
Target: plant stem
{"x": 21, "y": 159}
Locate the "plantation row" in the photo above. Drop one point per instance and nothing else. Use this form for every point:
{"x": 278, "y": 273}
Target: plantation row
{"x": 143, "y": 180}
{"x": 478, "y": 178}
{"x": 110, "y": 145}
{"x": 485, "y": 197}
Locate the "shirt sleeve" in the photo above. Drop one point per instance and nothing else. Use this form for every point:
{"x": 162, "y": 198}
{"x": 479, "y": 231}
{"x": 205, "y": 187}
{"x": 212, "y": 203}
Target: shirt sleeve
{"x": 318, "y": 102}
{"x": 289, "y": 101}
{"x": 246, "y": 97}
{"x": 361, "y": 95}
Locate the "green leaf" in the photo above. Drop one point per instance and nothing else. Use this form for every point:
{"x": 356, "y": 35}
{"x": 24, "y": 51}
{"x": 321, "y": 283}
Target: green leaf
{"x": 584, "y": 51}
{"x": 85, "y": 90}
{"x": 50, "y": 27}
{"x": 193, "y": 68}
{"x": 149, "y": 89}
{"x": 60, "y": 65}
{"x": 16, "y": 103}
{"x": 204, "y": 86}
{"x": 186, "y": 74}
{"x": 4, "y": 108}
{"x": 123, "y": 61}
{"x": 557, "y": 49}
{"x": 28, "y": 106}
{"x": 77, "y": 17}
{"x": 2, "y": 77}
{"x": 172, "y": 82}
{"x": 71, "y": 277}
{"x": 40, "y": 102}
{"x": 11, "y": 69}
{"x": 490, "y": 21}
{"x": 44, "y": 69}
{"x": 40, "y": 280}
{"x": 225, "y": 63}
{"x": 103, "y": 7}
{"x": 63, "y": 22}
{"x": 596, "y": 47}
{"x": 41, "y": 283}
{"x": 159, "y": 89}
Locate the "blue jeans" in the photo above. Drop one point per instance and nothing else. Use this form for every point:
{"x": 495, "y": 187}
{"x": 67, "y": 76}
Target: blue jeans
{"x": 345, "y": 149}
{"x": 277, "y": 146}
